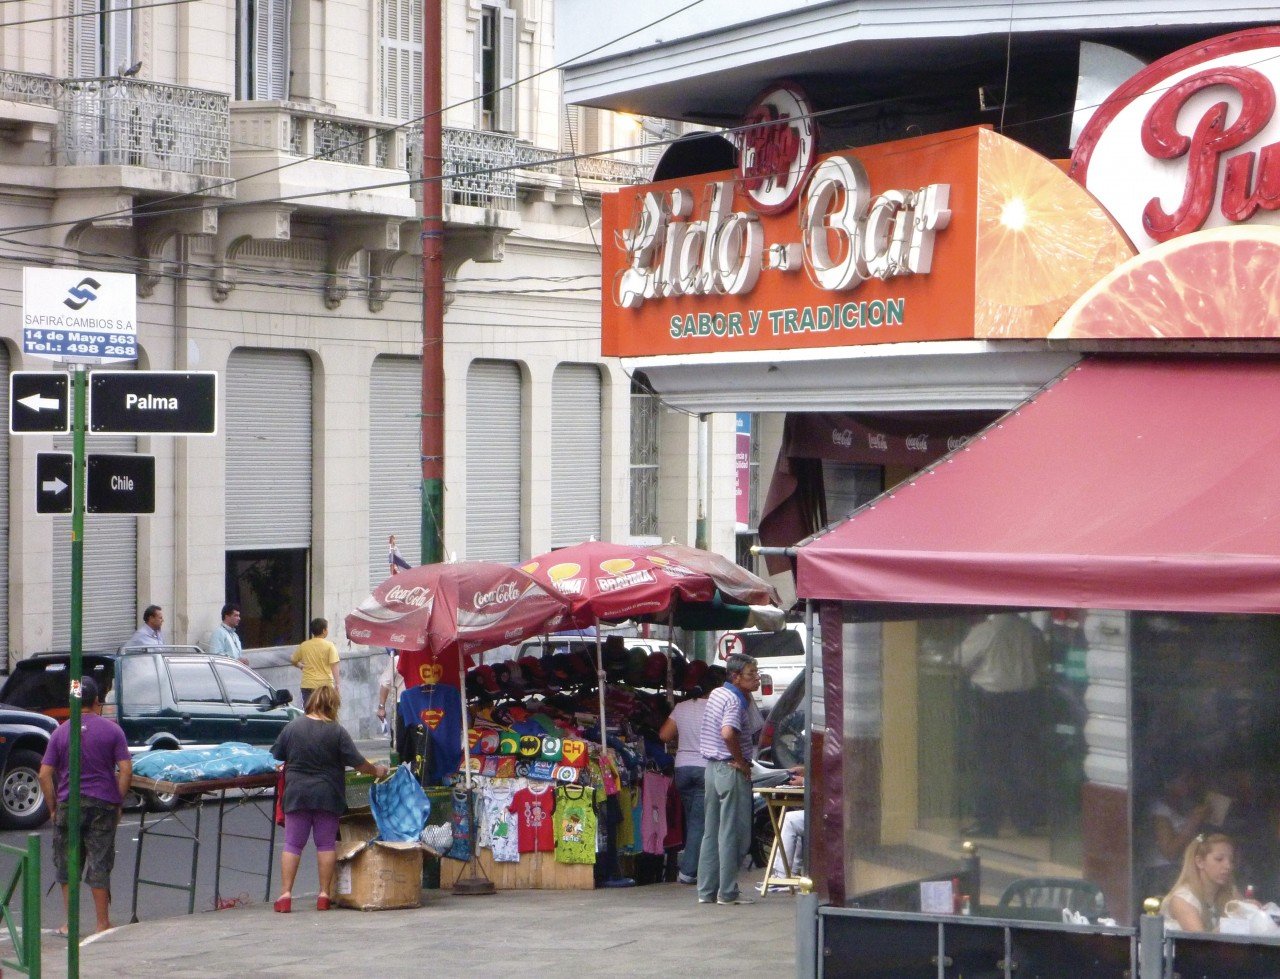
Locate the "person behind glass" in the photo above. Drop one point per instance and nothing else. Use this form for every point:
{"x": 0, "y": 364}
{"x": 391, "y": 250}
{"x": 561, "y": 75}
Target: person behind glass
{"x": 1004, "y": 656}
{"x": 148, "y": 633}
{"x": 1175, "y": 818}
{"x": 395, "y": 560}
{"x": 730, "y": 722}
{"x": 318, "y": 660}
{"x": 1204, "y": 887}
{"x": 225, "y": 641}
{"x": 316, "y": 750}
{"x": 684, "y": 726}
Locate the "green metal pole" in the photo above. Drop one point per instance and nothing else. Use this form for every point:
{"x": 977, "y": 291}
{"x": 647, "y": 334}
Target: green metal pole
{"x": 31, "y": 907}
{"x": 700, "y": 540}
{"x": 432, "y": 520}
{"x": 77, "y": 671}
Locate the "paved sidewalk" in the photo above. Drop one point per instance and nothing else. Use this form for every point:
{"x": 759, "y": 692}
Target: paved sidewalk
{"x": 658, "y": 930}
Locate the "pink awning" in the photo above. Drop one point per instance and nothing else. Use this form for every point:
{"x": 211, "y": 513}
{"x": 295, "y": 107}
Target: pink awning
{"x": 1131, "y": 483}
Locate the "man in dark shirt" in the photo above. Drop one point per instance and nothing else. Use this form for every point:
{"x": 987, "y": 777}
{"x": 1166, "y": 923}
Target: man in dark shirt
{"x": 105, "y": 773}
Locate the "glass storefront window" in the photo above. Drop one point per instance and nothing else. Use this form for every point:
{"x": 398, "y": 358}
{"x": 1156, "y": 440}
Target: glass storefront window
{"x": 1090, "y": 747}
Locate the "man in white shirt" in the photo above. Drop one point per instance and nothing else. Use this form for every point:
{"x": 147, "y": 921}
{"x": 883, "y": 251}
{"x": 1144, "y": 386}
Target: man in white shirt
{"x": 149, "y": 633}
{"x": 225, "y": 641}
{"x": 1005, "y": 656}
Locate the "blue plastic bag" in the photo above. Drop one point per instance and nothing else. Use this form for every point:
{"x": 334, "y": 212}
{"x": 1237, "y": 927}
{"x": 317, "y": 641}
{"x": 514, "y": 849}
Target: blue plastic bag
{"x": 400, "y": 807}
{"x": 229, "y": 760}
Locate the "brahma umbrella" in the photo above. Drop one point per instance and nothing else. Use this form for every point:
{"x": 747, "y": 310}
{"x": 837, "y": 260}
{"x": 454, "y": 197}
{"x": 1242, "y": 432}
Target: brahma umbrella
{"x": 606, "y": 582}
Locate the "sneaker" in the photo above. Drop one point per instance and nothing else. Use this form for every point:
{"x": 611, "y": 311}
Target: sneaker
{"x": 737, "y": 900}
{"x": 705, "y": 900}
{"x": 685, "y": 879}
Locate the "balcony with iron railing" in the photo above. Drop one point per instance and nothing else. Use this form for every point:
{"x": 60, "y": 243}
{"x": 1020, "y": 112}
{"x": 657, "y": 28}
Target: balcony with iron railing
{"x": 317, "y": 159}
{"x": 32, "y": 89}
{"x": 485, "y": 169}
{"x": 124, "y": 122}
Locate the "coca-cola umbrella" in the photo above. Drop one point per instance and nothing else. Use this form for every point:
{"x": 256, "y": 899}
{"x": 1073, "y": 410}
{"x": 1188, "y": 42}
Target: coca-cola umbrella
{"x": 435, "y": 612}
{"x": 606, "y": 582}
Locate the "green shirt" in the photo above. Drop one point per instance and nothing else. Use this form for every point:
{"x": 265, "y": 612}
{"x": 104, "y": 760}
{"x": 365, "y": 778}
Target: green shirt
{"x": 575, "y": 824}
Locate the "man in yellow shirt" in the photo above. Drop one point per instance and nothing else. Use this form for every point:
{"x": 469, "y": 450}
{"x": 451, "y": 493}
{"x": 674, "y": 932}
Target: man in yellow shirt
{"x": 318, "y": 660}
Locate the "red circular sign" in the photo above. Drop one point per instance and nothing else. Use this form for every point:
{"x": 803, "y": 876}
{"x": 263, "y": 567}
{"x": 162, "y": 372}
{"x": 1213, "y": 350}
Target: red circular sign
{"x": 777, "y": 147}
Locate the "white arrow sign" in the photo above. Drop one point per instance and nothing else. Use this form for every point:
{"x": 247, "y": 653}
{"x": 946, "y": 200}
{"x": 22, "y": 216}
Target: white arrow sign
{"x": 38, "y": 402}
{"x": 54, "y": 485}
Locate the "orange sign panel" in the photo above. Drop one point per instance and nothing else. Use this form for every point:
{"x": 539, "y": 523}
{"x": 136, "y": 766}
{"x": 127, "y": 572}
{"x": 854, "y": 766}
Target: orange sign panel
{"x": 949, "y": 236}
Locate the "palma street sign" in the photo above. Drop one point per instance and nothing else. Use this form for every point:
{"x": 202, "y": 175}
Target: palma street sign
{"x": 153, "y": 402}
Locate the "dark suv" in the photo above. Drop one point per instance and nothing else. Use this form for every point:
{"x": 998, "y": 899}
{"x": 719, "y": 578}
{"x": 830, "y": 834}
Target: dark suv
{"x": 24, "y": 735}
{"x": 162, "y": 696}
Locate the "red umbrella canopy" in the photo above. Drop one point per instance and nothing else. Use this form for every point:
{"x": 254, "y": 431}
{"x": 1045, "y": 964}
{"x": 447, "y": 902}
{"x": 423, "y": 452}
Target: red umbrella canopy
{"x": 733, "y": 581}
{"x": 462, "y": 608}
{"x": 610, "y": 582}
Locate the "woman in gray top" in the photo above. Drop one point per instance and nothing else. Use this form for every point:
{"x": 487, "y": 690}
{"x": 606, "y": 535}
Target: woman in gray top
{"x": 316, "y": 750}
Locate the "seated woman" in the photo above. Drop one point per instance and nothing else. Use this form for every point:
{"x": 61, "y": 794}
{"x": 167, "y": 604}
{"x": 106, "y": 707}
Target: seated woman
{"x": 1205, "y": 885}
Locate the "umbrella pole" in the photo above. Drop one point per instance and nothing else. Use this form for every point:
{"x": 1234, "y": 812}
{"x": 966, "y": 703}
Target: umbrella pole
{"x": 671, "y": 640}
{"x": 475, "y": 883}
{"x": 600, "y": 675}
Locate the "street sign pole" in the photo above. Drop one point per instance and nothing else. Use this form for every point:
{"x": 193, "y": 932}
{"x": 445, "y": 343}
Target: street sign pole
{"x": 77, "y": 670}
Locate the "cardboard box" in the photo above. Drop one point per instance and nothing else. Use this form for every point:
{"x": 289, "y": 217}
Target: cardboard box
{"x": 357, "y": 826}
{"x": 378, "y": 876}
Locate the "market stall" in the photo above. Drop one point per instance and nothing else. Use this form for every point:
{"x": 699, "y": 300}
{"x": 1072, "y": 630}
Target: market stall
{"x": 554, "y": 760}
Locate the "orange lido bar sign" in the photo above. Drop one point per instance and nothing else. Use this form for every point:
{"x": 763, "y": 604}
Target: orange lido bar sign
{"x": 952, "y": 236}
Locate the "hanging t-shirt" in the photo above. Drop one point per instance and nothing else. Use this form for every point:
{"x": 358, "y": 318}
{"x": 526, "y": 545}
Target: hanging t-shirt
{"x": 460, "y": 819}
{"x": 629, "y": 828}
{"x": 500, "y": 825}
{"x": 533, "y": 808}
{"x": 653, "y": 819}
{"x": 575, "y": 825}
{"x": 439, "y": 710}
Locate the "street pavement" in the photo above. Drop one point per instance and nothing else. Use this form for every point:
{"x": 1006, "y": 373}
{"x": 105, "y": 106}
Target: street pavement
{"x": 642, "y": 931}
{"x": 657, "y": 930}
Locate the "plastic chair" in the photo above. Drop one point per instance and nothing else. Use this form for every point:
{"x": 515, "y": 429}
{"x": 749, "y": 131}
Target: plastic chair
{"x": 1045, "y": 897}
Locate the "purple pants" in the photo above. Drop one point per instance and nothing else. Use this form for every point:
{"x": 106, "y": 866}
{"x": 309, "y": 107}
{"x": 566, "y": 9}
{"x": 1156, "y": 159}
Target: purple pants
{"x": 303, "y": 823}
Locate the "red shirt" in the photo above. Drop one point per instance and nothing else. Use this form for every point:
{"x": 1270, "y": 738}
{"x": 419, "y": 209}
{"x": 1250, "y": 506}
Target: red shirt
{"x": 533, "y": 812}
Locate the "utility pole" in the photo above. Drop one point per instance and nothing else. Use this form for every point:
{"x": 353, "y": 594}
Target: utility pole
{"x": 432, "y": 286}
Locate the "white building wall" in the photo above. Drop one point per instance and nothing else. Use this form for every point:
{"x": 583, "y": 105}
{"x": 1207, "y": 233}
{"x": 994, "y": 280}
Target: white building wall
{"x": 507, "y": 309}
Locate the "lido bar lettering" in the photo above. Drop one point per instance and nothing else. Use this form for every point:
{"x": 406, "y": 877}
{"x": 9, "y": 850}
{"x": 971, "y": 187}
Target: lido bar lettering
{"x": 846, "y": 237}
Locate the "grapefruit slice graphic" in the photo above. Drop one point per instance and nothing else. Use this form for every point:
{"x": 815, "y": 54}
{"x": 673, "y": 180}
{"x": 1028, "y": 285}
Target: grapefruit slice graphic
{"x": 1042, "y": 241}
{"x": 1224, "y": 282}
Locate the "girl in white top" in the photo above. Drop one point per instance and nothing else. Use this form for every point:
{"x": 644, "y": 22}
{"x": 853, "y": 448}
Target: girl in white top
{"x": 1205, "y": 885}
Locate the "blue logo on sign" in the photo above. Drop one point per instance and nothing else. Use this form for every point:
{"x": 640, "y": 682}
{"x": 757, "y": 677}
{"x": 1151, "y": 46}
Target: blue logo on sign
{"x": 82, "y": 293}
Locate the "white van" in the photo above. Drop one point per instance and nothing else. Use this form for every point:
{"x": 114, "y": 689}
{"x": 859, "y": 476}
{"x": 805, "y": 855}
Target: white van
{"x": 551, "y": 645}
{"x": 780, "y": 654}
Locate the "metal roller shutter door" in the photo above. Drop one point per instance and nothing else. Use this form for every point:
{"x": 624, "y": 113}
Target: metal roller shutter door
{"x": 109, "y": 604}
{"x": 268, "y": 501}
{"x": 494, "y": 453}
{"x": 575, "y": 454}
{"x": 395, "y": 473}
{"x": 4, "y": 524}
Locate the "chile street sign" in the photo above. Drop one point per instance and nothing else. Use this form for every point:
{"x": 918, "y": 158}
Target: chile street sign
{"x": 120, "y": 483}
{"x": 39, "y": 402}
{"x": 153, "y": 402}
{"x": 53, "y": 482}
